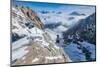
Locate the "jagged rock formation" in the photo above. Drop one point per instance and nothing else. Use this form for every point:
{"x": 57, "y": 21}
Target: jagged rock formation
{"x": 31, "y": 15}
{"x": 30, "y": 39}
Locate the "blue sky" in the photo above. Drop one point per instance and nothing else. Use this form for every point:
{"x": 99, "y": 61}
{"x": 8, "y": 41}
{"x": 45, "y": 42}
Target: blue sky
{"x": 38, "y": 6}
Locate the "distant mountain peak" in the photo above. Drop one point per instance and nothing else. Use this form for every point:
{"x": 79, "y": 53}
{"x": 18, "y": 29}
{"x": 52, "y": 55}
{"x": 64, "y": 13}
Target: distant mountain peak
{"x": 44, "y": 12}
{"x": 77, "y": 14}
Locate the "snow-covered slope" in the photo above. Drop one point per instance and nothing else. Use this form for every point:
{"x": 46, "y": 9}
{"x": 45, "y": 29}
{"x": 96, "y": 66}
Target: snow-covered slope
{"x": 85, "y": 52}
{"x": 80, "y": 40}
{"x": 23, "y": 22}
{"x": 31, "y": 43}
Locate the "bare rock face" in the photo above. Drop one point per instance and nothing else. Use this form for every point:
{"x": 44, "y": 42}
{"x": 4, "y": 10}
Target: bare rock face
{"x": 41, "y": 47}
{"x": 32, "y": 15}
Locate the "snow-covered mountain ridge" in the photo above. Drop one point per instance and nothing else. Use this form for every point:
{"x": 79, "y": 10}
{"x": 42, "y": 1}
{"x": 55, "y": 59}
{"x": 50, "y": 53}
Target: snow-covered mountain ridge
{"x": 31, "y": 43}
{"x": 80, "y": 40}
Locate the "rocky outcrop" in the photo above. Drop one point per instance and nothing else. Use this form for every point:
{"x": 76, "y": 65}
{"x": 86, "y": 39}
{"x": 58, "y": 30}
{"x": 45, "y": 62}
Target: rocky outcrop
{"x": 30, "y": 14}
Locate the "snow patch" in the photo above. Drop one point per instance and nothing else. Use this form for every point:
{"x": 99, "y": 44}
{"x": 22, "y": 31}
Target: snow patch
{"x": 55, "y": 57}
{"x": 35, "y": 60}
{"x": 18, "y": 54}
{"x": 74, "y": 53}
{"x": 19, "y": 43}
